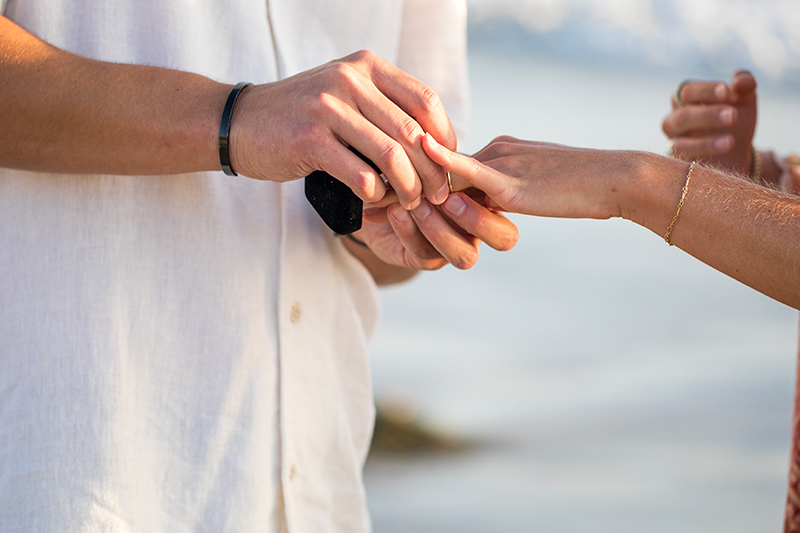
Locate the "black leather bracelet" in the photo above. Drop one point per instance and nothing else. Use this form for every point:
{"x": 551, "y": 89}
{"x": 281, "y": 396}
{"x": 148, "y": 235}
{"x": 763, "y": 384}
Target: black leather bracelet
{"x": 225, "y": 129}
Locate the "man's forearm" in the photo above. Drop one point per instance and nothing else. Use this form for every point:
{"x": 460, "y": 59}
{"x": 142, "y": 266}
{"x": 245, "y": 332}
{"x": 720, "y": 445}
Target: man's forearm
{"x": 65, "y": 113}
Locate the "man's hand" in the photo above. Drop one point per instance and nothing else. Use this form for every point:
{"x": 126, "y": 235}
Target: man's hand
{"x": 716, "y": 122}
{"x": 430, "y": 237}
{"x": 285, "y": 130}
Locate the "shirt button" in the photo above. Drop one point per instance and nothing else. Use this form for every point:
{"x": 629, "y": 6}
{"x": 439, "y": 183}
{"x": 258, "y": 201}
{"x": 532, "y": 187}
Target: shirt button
{"x": 295, "y": 314}
{"x": 292, "y": 472}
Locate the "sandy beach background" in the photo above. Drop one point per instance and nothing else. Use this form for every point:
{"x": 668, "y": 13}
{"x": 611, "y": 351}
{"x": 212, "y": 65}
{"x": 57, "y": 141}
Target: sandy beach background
{"x": 607, "y": 381}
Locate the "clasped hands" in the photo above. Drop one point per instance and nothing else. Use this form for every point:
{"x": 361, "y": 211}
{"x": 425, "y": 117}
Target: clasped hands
{"x": 285, "y": 130}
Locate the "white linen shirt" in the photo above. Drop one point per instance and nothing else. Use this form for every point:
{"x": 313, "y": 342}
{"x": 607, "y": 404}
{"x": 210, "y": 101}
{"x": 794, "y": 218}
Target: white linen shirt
{"x": 188, "y": 353}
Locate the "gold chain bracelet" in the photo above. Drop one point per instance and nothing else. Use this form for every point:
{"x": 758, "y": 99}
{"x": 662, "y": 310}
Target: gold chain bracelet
{"x": 756, "y": 165}
{"x": 680, "y": 204}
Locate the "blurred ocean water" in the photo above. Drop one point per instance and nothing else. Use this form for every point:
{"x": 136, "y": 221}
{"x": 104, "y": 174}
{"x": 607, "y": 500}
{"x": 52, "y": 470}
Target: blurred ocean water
{"x": 691, "y": 35}
{"x": 613, "y": 383}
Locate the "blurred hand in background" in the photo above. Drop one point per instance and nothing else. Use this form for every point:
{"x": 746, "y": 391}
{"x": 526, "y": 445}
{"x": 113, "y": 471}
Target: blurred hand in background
{"x": 714, "y": 122}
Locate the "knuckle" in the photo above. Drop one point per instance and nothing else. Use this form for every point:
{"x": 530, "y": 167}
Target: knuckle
{"x": 392, "y": 156}
{"x": 363, "y": 56}
{"x": 342, "y": 73}
{"x": 410, "y": 131}
{"x": 501, "y": 146}
{"x": 428, "y": 100}
{"x": 323, "y": 104}
{"x": 364, "y": 183}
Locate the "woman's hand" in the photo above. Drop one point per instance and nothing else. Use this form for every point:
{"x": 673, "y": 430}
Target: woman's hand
{"x": 542, "y": 179}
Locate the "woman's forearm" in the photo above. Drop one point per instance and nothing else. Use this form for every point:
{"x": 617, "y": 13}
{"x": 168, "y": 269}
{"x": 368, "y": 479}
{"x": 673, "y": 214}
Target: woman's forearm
{"x": 746, "y": 231}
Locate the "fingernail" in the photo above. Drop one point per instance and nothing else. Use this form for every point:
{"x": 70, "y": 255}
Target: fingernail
{"x": 400, "y": 215}
{"x": 723, "y": 144}
{"x": 726, "y": 116}
{"x": 442, "y": 194}
{"x": 720, "y": 92}
{"x": 422, "y": 212}
{"x": 455, "y": 205}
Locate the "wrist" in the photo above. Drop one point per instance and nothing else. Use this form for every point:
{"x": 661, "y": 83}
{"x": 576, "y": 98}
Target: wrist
{"x": 225, "y": 128}
{"x": 191, "y": 116}
{"x": 357, "y": 241}
{"x": 654, "y": 189}
{"x": 232, "y": 141}
{"x": 382, "y": 272}
{"x": 198, "y": 145}
{"x": 356, "y": 244}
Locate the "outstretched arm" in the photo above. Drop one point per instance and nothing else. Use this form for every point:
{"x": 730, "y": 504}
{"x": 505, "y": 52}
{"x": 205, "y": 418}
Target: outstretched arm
{"x": 746, "y": 231}
{"x": 65, "y": 113}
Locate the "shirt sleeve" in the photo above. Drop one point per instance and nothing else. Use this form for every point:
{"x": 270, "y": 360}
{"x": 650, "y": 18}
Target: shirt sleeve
{"x": 433, "y": 48}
